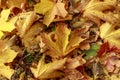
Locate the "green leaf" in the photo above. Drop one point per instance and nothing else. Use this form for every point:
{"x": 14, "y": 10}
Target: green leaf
{"x": 92, "y": 51}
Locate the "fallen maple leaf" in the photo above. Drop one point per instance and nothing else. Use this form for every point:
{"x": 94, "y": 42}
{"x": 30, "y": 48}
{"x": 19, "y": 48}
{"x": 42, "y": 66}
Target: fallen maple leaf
{"x": 25, "y": 21}
{"x": 58, "y": 9}
{"x": 7, "y": 56}
{"x": 48, "y": 70}
{"x": 73, "y": 63}
{"x": 94, "y": 10}
{"x": 30, "y": 38}
{"x": 51, "y": 11}
{"x": 92, "y": 51}
{"x": 106, "y": 29}
{"x": 42, "y": 6}
{"x": 62, "y": 45}
{"x": 115, "y": 77}
{"x": 6, "y": 71}
{"x": 103, "y": 49}
{"x": 109, "y": 34}
{"x": 5, "y": 14}
{"x": 73, "y": 74}
{"x": 1, "y": 34}
{"x": 7, "y": 24}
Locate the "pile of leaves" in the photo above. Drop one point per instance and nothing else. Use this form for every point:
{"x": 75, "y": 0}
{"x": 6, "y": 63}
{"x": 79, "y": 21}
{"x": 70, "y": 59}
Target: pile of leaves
{"x": 59, "y": 40}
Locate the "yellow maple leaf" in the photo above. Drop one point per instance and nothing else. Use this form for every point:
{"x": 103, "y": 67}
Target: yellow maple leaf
{"x": 94, "y": 10}
{"x": 1, "y": 34}
{"x": 6, "y": 24}
{"x": 5, "y": 14}
{"x": 6, "y": 71}
{"x": 58, "y": 9}
{"x": 108, "y": 33}
{"x": 26, "y": 22}
{"x": 106, "y": 29}
{"x": 5, "y": 57}
{"x": 115, "y": 77}
{"x": 48, "y": 70}
{"x": 62, "y": 44}
{"x": 43, "y": 6}
{"x": 51, "y": 11}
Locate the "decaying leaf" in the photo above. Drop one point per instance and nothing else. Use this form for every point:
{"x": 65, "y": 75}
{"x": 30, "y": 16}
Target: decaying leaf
{"x": 59, "y": 39}
{"x": 109, "y": 57}
{"x": 94, "y": 10}
{"x": 73, "y": 74}
{"x": 48, "y": 70}
{"x": 62, "y": 44}
{"x": 73, "y": 63}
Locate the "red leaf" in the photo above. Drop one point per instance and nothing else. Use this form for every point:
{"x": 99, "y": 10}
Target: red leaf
{"x": 105, "y": 48}
{"x": 82, "y": 70}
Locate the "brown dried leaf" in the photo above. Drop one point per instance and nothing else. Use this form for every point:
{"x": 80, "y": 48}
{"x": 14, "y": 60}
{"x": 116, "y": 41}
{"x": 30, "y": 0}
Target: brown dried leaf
{"x": 73, "y": 74}
{"x": 73, "y": 63}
